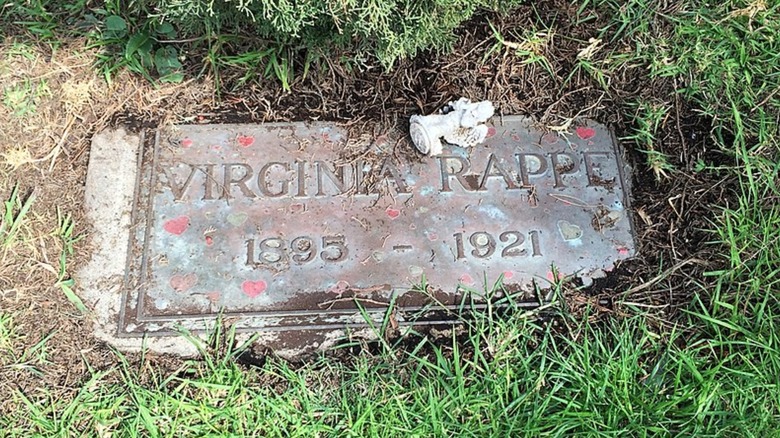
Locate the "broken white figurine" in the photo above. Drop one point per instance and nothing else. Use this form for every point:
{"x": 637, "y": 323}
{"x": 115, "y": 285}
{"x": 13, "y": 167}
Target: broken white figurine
{"x": 461, "y": 123}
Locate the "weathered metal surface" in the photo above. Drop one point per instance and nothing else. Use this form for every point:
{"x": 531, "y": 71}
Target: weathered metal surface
{"x": 283, "y": 226}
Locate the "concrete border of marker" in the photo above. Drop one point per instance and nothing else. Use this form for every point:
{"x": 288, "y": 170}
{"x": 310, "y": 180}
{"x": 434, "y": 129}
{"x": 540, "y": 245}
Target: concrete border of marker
{"x": 109, "y": 192}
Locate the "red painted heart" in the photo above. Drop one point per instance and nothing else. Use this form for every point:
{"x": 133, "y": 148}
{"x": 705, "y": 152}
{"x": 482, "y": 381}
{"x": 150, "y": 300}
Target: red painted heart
{"x": 181, "y": 283}
{"x": 177, "y": 225}
{"x": 245, "y": 140}
{"x": 253, "y": 288}
{"x": 491, "y": 132}
{"x": 585, "y": 133}
{"x": 185, "y": 143}
{"x": 466, "y": 279}
{"x": 392, "y": 213}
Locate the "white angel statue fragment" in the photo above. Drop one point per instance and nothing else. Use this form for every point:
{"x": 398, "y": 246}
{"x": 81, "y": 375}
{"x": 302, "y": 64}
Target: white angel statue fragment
{"x": 461, "y": 123}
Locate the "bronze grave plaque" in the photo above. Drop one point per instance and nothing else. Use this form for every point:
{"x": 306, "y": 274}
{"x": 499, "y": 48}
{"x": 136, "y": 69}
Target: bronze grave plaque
{"x": 286, "y": 226}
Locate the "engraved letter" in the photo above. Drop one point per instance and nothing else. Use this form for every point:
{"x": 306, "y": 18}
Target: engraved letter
{"x": 593, "y": 170}
{"x": 525, "y": 161}
{"x": 563, "y": 167}
{"x": 336, "y": 176}
{"x": 360, "y": 177}
{"x": 493, "y": 163}
{"x": 301, "y": 173}
{"x": 239, "y": 181}
{"x": 389, "y": 170}
{"x": 264, "y": 185}
{"x": 459, "y": 173}
{"x": 178, "y": 190}
{"x": 208, "y": 185}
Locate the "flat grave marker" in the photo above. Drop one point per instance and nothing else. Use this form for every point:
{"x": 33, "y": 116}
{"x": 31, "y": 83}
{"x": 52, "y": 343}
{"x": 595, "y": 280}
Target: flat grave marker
{"x": 284, "y": 226}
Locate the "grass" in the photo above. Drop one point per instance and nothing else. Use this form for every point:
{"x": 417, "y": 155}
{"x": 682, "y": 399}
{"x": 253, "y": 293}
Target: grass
{"x": 21, "y": 98}
{"x": 647, "y": 119}
{"x": 711, "y": 372}
{"x": 65, "y": 231}
{"x": 14, "y": 211}
{"x": 529, "y": 48}
{"x": 31, "y": 359}
{"x": 507, "y": 378}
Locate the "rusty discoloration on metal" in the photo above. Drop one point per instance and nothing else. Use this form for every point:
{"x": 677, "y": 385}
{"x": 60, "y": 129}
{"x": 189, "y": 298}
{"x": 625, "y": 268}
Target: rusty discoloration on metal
{"x": 273, "y": 224}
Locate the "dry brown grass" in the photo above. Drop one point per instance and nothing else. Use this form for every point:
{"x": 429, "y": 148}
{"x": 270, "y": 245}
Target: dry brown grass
{"x": 53, "y": 102}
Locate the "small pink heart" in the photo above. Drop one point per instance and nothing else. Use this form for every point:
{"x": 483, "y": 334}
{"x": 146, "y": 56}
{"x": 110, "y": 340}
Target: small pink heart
{"x": 392, "y": 213}
{"x": 253, "y": 288}
{"x": 585, "y": 133}
{"x": 550, "y": 138}
{"x": 433, "y": 236}
{"x": 466, "y": 279}
{"x": 178, "y": 225}
{"x": 340, "y": 287}
{"x": 491, "y": 132}
{"x": 245, "y": 140}
{"x": 508, "y": 275}
{"x": 181, "y": 283}
{"x": 209, "y": 240}
{"x": 213, "y": 297}
{"x": 186, "y": 142}
{"x": 551, "y": 277}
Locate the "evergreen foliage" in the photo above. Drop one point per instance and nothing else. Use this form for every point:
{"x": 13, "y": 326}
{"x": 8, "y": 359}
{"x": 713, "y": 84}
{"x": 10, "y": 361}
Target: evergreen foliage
{"x": 388, "y": 29}
{"x": 385, "y": 29}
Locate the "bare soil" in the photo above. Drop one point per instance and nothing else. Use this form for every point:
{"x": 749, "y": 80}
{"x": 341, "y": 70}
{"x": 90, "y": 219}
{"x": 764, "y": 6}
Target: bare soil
{"x": 45, "y": 154}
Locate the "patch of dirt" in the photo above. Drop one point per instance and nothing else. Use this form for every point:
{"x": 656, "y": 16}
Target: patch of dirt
{"x": 45, "y": 151}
